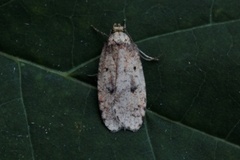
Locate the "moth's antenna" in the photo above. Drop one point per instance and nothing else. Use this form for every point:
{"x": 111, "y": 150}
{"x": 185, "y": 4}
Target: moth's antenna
{"x": 124, "y": 24}
{"x": 97, "y": 30}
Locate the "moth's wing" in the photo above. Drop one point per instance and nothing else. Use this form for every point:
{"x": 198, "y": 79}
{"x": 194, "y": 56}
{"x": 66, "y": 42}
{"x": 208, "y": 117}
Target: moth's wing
{"x": 130, "y": 101}
{"x": 107, "y": 88}
{"x": 121, "y": 87}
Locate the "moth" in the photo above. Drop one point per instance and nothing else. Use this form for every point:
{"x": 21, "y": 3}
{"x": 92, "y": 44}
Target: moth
{"x": 121, "y": 82}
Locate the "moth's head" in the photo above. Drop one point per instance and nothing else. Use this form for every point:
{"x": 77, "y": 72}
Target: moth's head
{"x": 119, "y": 35}
{"x": 118, "y": 28}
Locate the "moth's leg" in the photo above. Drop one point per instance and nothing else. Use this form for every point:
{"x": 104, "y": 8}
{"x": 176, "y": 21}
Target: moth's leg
{"x": 97, "y": 30}
{"x": 92, "y": 75}
{"x": 146, "y": 57}
{"x": 142, "y": 54}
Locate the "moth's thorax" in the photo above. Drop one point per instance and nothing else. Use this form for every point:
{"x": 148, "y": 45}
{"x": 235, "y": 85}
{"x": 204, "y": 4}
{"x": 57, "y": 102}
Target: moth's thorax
{"x": 119, "y": 38}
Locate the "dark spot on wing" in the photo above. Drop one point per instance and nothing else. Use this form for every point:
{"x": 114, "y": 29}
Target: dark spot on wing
{"x": 133, "y": 88}
{"x": 110, "y": 90}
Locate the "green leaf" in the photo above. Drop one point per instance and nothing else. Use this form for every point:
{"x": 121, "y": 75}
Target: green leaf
{"x": 48, "y": 101}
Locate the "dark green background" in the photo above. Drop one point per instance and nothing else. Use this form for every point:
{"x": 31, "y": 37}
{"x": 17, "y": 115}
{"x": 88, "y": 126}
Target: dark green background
{"x": 48, "y": 101}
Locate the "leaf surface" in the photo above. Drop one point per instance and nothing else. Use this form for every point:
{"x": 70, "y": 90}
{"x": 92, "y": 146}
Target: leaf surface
{"x": 48, "y": 101}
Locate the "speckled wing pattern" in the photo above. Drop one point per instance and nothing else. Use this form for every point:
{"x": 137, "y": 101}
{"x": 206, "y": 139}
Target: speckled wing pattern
{"x": 121, "y": 84}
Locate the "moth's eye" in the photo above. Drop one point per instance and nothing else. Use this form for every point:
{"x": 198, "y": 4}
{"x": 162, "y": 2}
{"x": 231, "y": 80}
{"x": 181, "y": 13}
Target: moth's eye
{"x": 106, "y": 69}
{"x": 134, "y": 68}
